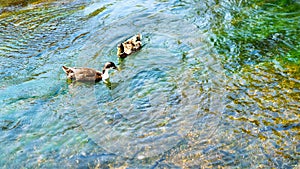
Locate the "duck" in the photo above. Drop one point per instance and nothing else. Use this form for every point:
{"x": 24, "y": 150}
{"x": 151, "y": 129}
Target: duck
{"x": 88, "y": 74}
{"x": 130, "y": 46}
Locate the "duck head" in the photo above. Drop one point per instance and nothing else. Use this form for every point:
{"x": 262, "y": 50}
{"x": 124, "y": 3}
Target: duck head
{"x": 120, "y": 51}
{"x": 108, "y": 66}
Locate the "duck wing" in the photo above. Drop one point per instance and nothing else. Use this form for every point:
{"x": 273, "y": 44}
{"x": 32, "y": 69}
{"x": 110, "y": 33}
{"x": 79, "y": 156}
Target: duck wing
{"x": 87, "y": 74}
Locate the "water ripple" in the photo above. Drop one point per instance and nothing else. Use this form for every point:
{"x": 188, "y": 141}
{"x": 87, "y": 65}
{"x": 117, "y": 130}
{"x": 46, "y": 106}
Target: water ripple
{"x": 171, "y": 105}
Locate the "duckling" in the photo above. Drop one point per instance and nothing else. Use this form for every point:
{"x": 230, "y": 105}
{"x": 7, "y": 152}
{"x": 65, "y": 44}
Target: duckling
{"x": 89, "y": 74}
{"x": 130, "y": 46}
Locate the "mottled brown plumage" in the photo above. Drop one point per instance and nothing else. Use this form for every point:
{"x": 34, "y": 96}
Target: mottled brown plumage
{"x": 130, "y": 46}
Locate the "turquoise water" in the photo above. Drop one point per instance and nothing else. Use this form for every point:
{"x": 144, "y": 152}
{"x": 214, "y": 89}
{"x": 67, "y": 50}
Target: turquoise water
{"x": 216, "y": 85}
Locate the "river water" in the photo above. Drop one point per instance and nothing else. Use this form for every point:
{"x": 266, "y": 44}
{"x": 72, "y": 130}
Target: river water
{"x": 216, "y": 85}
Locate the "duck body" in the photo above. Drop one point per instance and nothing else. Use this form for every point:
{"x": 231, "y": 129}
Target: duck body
{"x": 82, "y": 74}
{"x": 88, "y": 74}
{"x": 130, "y": 46}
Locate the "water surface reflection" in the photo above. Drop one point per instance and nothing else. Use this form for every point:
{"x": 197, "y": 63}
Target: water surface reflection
{"x": 205, "y": 91}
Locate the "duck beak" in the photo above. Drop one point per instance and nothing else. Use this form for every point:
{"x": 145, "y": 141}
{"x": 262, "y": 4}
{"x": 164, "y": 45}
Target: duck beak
{"x": 115, "y": 68}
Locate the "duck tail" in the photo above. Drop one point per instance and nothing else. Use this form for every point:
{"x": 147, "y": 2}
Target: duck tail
{"x": 66, "y": 69}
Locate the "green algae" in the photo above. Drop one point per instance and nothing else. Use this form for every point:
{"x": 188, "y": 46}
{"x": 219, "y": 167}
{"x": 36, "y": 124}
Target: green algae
{"x": 261, "y": 31}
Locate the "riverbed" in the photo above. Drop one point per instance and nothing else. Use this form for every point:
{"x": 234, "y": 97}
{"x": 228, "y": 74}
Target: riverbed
{"x": 215, "y": 85}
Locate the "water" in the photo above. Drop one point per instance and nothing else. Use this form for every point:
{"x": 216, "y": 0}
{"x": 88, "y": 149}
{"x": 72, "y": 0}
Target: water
{"x": 215, "y": 85}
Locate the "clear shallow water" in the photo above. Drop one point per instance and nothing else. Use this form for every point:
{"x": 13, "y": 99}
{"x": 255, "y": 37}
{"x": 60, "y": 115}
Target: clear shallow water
{"x": 216, "y": 85}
